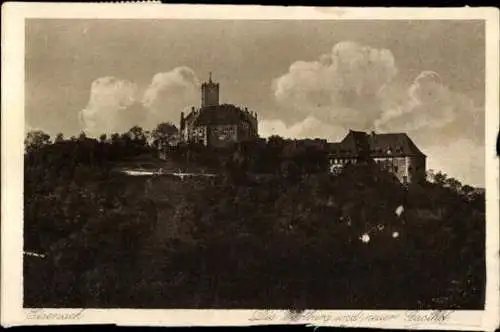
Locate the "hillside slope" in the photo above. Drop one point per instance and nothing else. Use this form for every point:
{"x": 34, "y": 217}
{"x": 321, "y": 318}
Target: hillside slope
{"x": 241, "y": 242}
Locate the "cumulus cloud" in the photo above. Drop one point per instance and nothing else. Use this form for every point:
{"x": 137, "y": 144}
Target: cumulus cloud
{"x": 115, "y": 105}
{"x": 427, "y": 104}
{"x": 111, "y": 105}
{"x": 357, "y": 87}
{"x": 340, "y": 86}
{"x": 169, "y": 93}
{"x": 310, "y": 127}
{"x": 447, "y": 125}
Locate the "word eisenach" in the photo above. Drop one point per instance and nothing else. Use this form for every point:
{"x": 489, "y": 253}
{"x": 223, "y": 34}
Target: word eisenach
{"x": 42, "y": 314}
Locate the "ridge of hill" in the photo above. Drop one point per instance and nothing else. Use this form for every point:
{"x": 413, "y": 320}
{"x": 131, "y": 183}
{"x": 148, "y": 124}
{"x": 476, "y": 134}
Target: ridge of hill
{"x": 288, "y": 240}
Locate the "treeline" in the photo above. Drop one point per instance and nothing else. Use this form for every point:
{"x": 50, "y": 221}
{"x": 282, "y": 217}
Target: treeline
{"x": 274, "y": 155}
{"x": 240, "y": 241}
{"x": 292, "y": 158}
{"x": 90, "y": 151}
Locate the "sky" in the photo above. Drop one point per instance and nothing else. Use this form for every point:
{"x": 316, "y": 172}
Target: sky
{"x": 315, "y": 79}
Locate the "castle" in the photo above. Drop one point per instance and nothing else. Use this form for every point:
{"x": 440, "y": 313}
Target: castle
{"x": 394, "y": 152}
{"x": 217, "y": 125}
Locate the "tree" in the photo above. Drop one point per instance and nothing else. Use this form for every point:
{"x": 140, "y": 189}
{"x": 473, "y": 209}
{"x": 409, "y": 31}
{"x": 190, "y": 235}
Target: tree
{"x": 164, "y": 134}
{"x": 136, "y": 133}
{"x": 59, "y": 138}
{"x": 440, "y": 178}
{"x": 115, "y": 137}
{"x": 35, "y": 140}
{"x": 467, "y": 190}
{"x": 82, "y": 136}
{"x": 103, "y": 138}
{"x": 453, "y": 184}
{"x": 290, "y": 170}
{"x": 276, "y": 142}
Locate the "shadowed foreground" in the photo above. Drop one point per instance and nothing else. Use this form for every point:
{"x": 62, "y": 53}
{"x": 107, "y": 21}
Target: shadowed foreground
{"x": 167, "y": 243}
{"x": 241, "y": 241}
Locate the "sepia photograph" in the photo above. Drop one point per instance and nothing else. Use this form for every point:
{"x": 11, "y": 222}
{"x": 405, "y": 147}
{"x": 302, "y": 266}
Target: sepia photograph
{"x": 263, "y": 164}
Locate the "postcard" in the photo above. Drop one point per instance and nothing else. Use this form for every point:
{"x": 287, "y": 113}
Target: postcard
{"x": 209, "y": 165}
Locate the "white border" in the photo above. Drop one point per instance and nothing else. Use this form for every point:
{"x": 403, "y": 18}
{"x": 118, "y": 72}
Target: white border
{"x": 13, "y": 16}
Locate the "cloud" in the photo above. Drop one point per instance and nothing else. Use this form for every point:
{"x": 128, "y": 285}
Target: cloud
{"x": 357, "y": 87}
{"x": 116, "y": 105}
{"x": 340, "y": 86}
{"x": 428, "y": 105}
{"x": 112, "y": 106}
{"x": 308, "y": 128}
{"x": 446, "y": 125}
{"x": 169, "y": 93}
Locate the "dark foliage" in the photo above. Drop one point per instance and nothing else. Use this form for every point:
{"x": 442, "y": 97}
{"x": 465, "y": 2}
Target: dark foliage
{"x": 273, "y": 231}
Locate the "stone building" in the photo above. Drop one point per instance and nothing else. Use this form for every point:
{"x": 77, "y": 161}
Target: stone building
{"x": 217, "y": 125}
{"x": 394, "y": 152}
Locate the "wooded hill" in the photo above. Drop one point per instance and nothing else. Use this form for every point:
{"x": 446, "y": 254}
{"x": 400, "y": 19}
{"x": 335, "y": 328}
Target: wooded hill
{"x": 296, "y": 238}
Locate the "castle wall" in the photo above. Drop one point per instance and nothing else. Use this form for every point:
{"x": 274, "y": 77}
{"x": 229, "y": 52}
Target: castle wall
{"x": 221, "y": 135}
{"x": 198, "y": 135}
{"x": 395, "y": 165}
{"x": 246, "y": 131}
{"x": 406, "y": 169}
{"x": 416, "y": 168}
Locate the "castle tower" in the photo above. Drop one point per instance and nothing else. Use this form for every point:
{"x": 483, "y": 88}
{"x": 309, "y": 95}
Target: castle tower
{"x": 209, "y": 93}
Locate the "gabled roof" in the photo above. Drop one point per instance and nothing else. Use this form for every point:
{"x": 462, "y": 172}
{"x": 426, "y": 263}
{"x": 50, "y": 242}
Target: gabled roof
{"x": 357, "y": 144}
{"x": 353, "y": 145}
{"x": 397, "y": 144}
{"x": 356, "y": 141}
